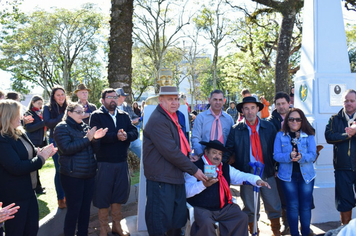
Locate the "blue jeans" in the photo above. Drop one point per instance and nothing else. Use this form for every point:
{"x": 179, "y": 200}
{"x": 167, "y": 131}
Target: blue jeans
{"x": 57, "y": 181}
{"x": 136, "y": 145}
{"x": 299, "y": 196}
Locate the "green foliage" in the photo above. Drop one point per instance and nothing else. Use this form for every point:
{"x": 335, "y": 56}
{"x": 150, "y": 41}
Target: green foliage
{"x": 48, "y": 48}
{"x": 351, "y": 44}
{"x": 251, "y": 61}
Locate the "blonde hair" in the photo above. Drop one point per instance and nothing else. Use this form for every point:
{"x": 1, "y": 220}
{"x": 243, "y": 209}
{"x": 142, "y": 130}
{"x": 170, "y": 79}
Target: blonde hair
{"x": 10, "y": 110}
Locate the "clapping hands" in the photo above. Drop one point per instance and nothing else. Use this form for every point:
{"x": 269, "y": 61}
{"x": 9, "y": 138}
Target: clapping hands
{"x": 96, "y": 134}
{"x": 121, "y": 135}
{"x": 47, "y": 151}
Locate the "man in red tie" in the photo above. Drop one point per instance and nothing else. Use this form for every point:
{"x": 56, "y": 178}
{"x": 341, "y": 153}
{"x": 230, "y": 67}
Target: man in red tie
{"x": 252, "y": 140}
{"x": 165, "y": 158}
{"x": 212, "y": 199}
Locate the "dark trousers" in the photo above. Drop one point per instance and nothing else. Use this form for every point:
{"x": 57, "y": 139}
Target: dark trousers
{"x": 166, "y": 210}
{"x": 232, "y": 221}
{"x": 79, "y": 193}
{"x": 25, "y": 222}
{"x": 57, "y": 180}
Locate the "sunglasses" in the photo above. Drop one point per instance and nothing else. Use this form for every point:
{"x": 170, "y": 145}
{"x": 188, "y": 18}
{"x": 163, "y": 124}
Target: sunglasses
{"x": 291, "y": 119}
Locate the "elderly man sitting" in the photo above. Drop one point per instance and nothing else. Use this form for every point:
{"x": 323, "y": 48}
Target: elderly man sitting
{"x": 212, "y": 199}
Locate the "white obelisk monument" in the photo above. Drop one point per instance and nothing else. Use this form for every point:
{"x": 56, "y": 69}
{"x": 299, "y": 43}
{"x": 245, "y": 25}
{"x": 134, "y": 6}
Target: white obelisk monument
{"x": 323, "y": 76}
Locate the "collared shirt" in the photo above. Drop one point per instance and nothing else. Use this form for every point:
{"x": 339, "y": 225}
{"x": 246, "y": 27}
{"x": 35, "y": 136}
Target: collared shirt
{"x": 112, "y": 116}
{"x": 194, "y": 187}
{"x": 202, "y": 128}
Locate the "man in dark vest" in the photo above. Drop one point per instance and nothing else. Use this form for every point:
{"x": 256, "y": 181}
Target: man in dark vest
{"x": 212, "y": 199}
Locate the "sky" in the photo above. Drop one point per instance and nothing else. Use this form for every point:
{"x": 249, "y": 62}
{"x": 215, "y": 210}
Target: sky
{"x": 30, "y": 5}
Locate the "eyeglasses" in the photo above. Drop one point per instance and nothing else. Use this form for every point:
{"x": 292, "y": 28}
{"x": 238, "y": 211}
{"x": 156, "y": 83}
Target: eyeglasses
{"x": 112, "y": 97}
{"x": 80, "y": 112}
{"x": 291, "y": 119}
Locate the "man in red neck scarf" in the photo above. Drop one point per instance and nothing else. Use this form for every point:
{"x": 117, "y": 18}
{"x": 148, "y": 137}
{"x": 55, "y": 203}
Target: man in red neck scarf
{"x": 212, "y": 199}
{"x": 252, "y": 140}
{"x": 165, "y": 158}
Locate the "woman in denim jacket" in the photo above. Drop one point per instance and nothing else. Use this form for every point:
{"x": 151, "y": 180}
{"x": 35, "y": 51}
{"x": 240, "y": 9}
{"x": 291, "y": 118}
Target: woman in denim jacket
{"x": 295, "y": 150}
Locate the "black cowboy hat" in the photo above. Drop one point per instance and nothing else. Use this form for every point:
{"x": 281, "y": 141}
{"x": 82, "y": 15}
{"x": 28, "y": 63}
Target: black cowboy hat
{"x": 249, "y": 99}
{"x": 216, "y": 144}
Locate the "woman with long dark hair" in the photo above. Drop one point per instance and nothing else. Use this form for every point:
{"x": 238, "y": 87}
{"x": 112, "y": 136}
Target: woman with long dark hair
{"x": 36, "y": 131}
{"x": 53, "y": 114}
{"x": 295, "y": 150}
{"x": 76, "y": 146}
{"x": 19, "y": 161}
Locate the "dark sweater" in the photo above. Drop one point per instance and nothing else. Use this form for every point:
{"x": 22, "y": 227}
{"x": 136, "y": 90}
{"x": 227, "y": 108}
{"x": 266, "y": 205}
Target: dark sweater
{"x": 210, "y": 197}
{"x": 35, "y": 130}
{"x": 111, "y": 148}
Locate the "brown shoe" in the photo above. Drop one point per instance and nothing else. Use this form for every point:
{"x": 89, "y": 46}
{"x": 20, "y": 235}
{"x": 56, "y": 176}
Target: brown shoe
{"x": 116, "y": 218}
{"x": 276, "y": 226}
{"x": 103, "y": 214}
{"x": 62, "y": 203}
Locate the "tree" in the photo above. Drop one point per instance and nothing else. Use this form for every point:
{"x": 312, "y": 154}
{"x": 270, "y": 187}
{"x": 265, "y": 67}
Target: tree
{"x": 120, "y": 54}
{"x": 46, "y": 48}
{"x": 194, "y": 63}
{"x": 211, "y": 19}
{"x": 143, "y": 71}
{"x": 153, "y": 20}
{"x": 251, "y": 65}
{"x": 289, "y": 10}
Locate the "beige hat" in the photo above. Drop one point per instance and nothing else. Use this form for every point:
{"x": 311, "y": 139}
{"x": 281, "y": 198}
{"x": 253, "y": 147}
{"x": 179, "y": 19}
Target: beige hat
{"x": 81, "y": 87}
{"x": 168, "y": 90}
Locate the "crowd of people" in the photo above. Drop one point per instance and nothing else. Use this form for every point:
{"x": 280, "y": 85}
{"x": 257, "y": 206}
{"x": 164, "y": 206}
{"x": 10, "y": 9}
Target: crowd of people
{"x": 270, "y": 155}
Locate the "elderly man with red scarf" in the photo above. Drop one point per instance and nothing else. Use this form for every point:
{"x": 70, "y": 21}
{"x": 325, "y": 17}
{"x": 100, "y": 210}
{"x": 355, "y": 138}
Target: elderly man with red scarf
{"x": 212, "y": 199}
{"x": 252, "y": 140}
{"x": 165, "y": 158}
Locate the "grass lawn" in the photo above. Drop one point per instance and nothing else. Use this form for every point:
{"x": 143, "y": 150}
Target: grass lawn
{"x": 48, "y": 202}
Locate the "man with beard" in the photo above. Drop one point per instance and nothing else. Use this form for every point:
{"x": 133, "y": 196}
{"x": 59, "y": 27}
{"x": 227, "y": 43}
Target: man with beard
{"x": 341, "y": 132}
{"x": 112, "y": 180}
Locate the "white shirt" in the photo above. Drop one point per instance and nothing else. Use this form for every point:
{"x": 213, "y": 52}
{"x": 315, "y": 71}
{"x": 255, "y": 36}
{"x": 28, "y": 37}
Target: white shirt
{"x": 194, "y": 187}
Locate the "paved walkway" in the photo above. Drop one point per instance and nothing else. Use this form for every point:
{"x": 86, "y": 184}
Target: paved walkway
{"x": 130, "y": 209}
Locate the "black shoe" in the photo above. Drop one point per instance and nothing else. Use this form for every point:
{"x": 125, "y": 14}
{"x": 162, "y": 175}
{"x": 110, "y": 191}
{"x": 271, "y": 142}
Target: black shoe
{"x": 41, "y": 190}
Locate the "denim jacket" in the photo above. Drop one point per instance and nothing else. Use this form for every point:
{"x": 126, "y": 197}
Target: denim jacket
{"x": 282, "y": 149}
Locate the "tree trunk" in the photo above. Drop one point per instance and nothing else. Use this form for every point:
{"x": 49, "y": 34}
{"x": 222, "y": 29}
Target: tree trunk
{"x": 120, "y": 43}
{"x": 215, "y": 63}
{"x": 283, "y": 52}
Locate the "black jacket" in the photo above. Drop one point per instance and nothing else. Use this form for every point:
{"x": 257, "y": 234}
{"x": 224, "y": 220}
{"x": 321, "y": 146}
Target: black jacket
{"x": 15, "y": 169}
{"x": 76, "y": 155}
{"x": 344, "y": 147}
{"x": 111, "y": 148}
{"x": 51, "y": 119}
{"x": 276, "y": 119}
{"x": 238, "y": 143}
{"x": 35, "y": 130}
